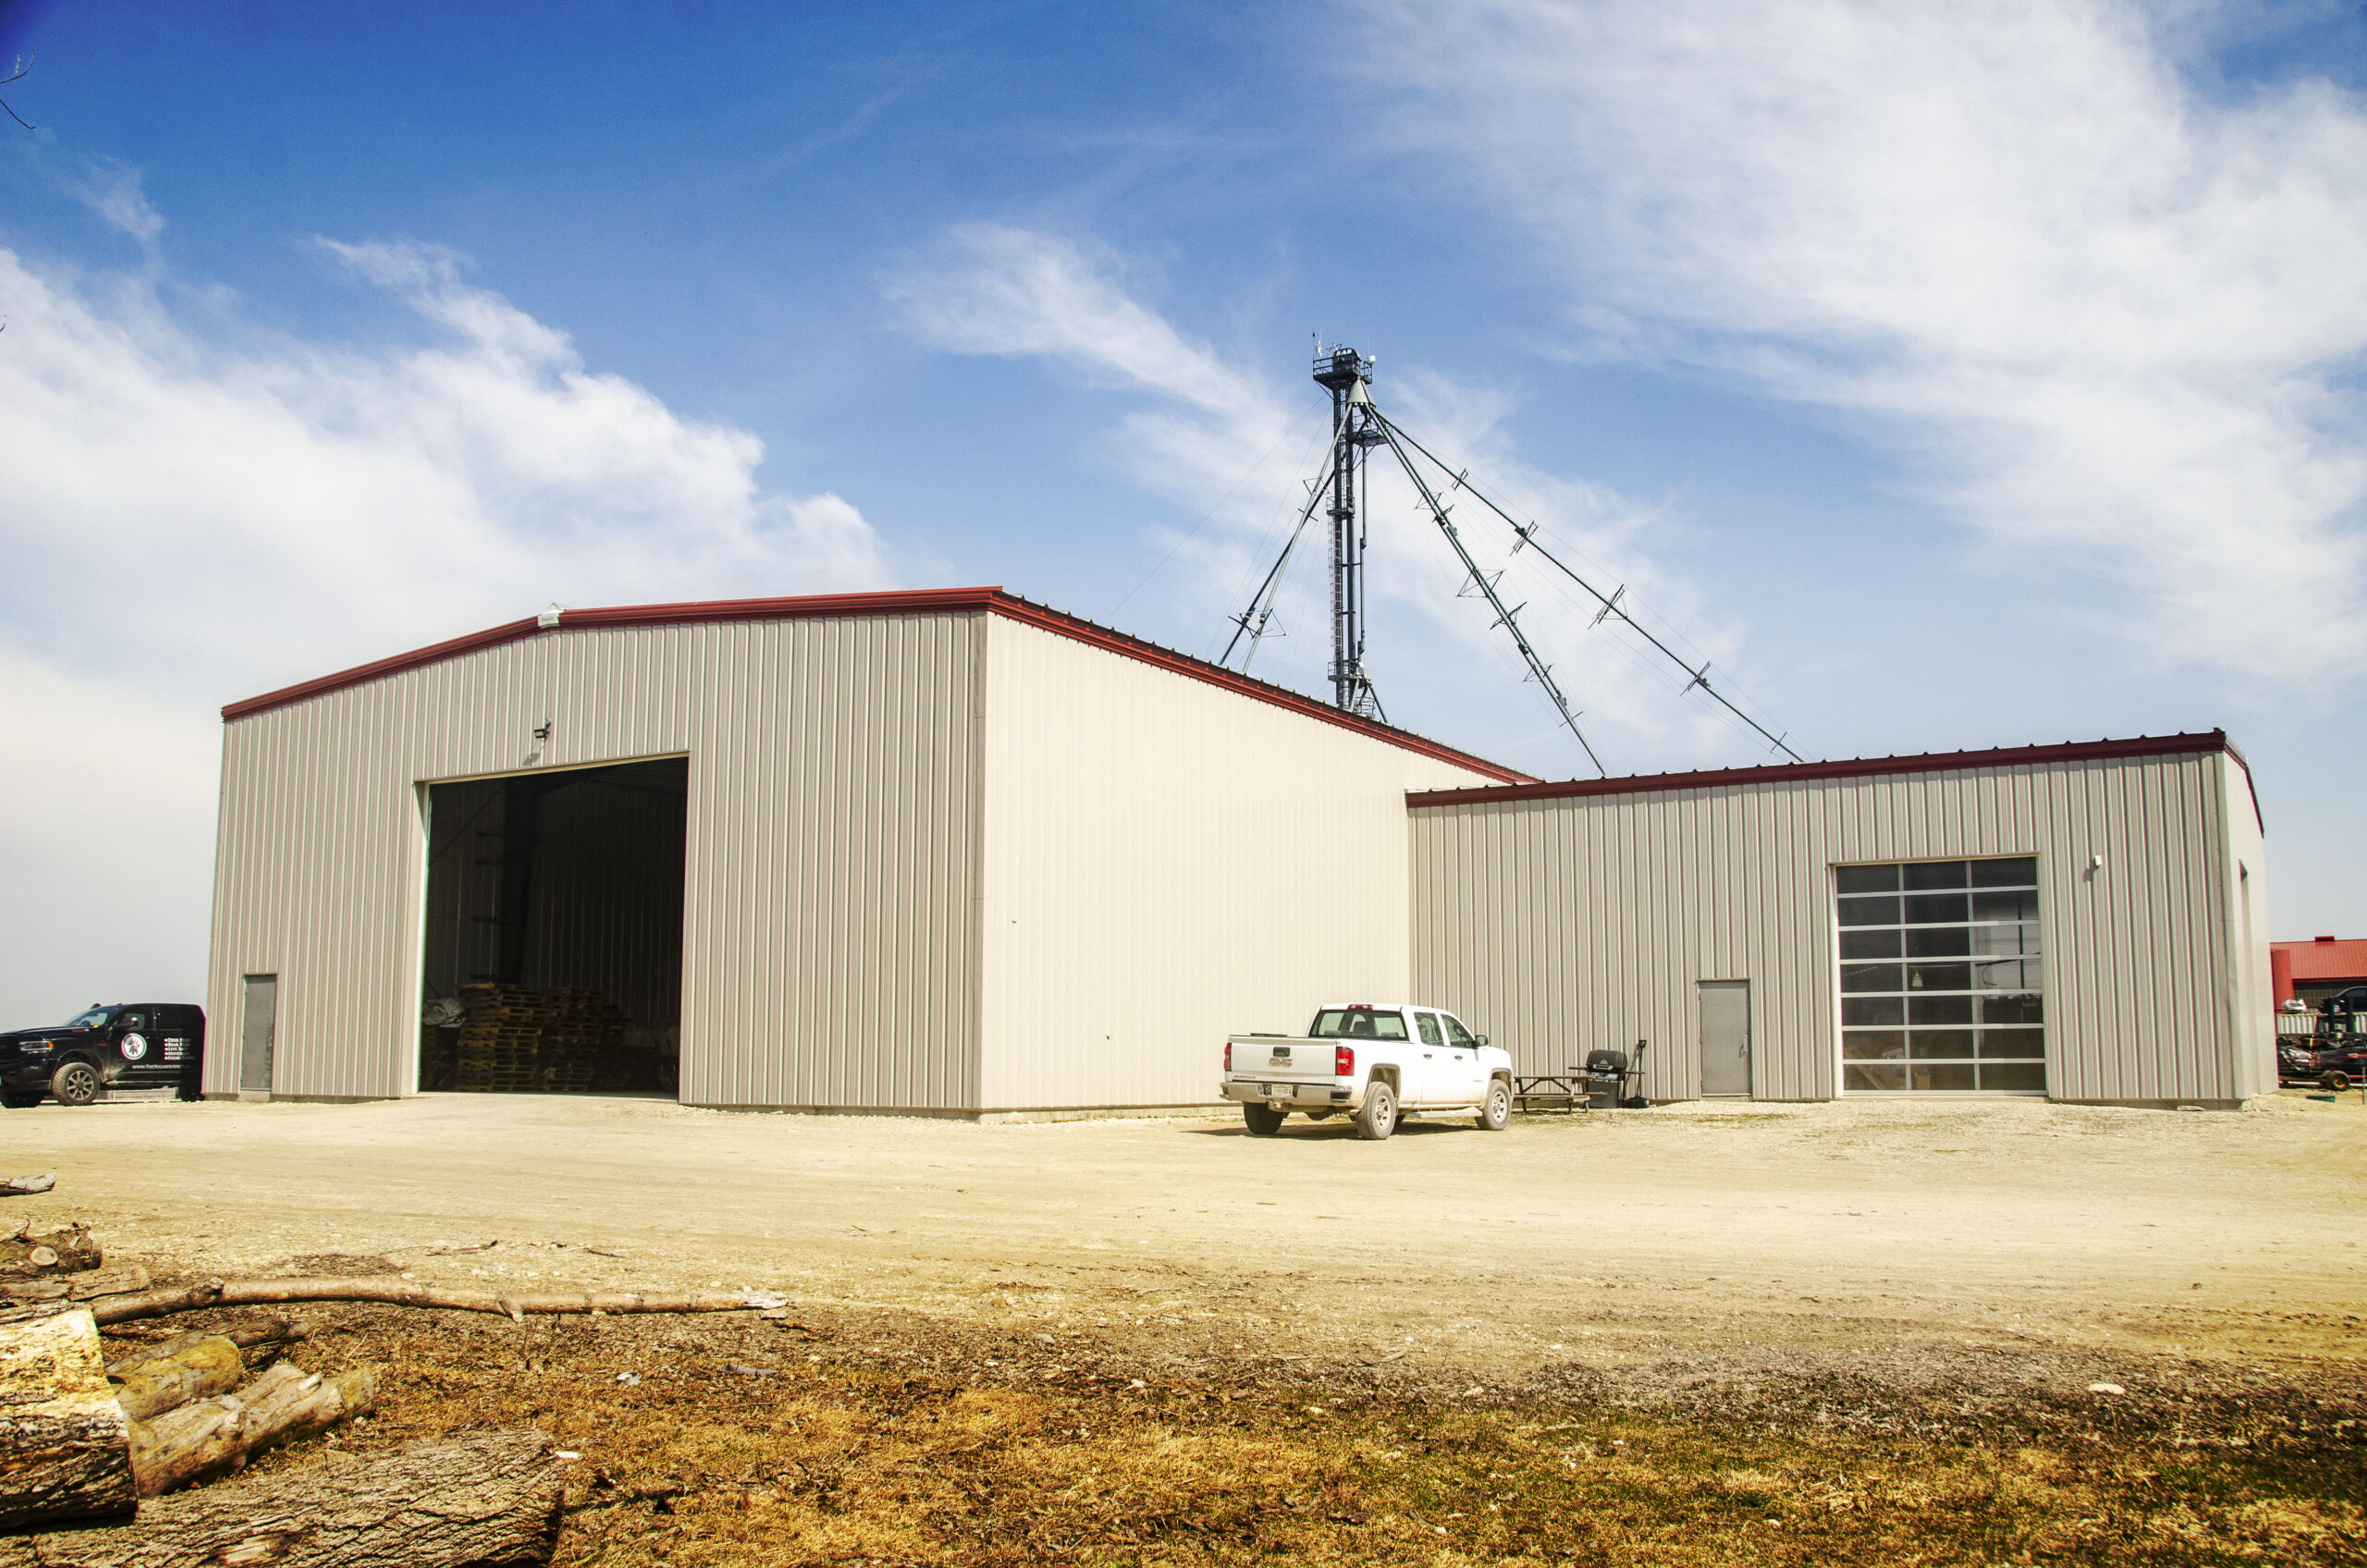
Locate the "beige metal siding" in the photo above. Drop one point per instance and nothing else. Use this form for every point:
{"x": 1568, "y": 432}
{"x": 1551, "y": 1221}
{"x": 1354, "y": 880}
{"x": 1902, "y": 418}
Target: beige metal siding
{"x": 1165, "y": 864}
{"x": 830, "y": 866}
{"x": 2252, "y": 999}
{"x": 829, "y": 931}
{"x": 1565, "y": 925}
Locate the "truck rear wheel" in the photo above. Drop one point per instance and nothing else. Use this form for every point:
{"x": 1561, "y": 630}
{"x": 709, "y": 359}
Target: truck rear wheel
{"x": 77, "y": 1083}
{"x": 2334, "y": 1082}
{"x": 1264, "y": 1120}
{"x": 1497, "y": 1113}
{"x": 1377, "y": 1118}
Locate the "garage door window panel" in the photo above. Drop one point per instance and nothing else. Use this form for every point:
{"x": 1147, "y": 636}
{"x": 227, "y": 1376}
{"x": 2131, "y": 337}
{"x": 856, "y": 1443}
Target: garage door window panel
{"x": 1973, "y": 1021}
{"x": 1874, "y": 1045}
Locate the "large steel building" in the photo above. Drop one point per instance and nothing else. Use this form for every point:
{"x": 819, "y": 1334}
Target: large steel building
{"x": 2088, "y": 921}
{"x": 940, "y": 851}
{"x": 952, "y": 852}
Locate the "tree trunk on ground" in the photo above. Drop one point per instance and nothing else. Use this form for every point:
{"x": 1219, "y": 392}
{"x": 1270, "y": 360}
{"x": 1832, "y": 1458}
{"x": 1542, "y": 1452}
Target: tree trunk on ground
{"x": 65, "y": 1444}
{"x": 488, "y": 1499}
{"x": 270, "y": 1335}
{"x": 224, "y": 1432}
{"x": 153, "y": 1385}
{"x": 396, "y": 1293}
{"x": 122, "y": 1279}
{"x": 62, "y": 1251}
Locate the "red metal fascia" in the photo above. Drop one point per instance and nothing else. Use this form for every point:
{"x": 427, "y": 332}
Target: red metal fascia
{"x": 476, "y": 642}
{"x": 816, "y": 606}
{"x": 812, "y": 606}
{"x": 923, "y": 601}
{"x": 1862, "y": 767}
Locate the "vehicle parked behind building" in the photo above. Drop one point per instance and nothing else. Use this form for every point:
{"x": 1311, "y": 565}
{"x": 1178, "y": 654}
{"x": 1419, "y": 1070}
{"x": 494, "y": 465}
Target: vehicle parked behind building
{"x": 1370, "y": 1061}
{"x": 121, "y": 1045}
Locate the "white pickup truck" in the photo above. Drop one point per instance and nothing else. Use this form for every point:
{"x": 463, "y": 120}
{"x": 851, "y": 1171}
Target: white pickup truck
{"x": 1371, "y": 1061}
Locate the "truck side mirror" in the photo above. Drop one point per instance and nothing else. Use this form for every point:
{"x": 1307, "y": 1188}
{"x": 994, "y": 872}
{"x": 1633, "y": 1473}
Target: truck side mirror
{"x": 1483, "y": 1041}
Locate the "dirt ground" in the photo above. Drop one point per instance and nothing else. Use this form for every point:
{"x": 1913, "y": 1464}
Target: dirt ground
{"x": 1849, "y": 1225}
{"x": 1846, "y": 1332}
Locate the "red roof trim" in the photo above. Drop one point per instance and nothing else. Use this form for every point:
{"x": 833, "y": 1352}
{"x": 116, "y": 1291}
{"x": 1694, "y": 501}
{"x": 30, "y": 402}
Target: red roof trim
{"x": 476, "y": 642}
{"x": 1860, "y": 767}
{"x": 925, "y": 601}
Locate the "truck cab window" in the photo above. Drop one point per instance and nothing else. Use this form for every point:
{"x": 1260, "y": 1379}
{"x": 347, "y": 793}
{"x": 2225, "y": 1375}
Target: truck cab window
{"x": 1357, "y": 1024}
{"x": 1429, "y": 1026}
{"x": 1457, "y": 1036}
{"x": 131, "y": 1021}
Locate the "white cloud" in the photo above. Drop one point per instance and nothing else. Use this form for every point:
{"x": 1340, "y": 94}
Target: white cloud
{"x": 1203, "y": 421}
{"x": 2111, "y": 314}
{"x": 187, "y": 521}
{"x": 113, "y": 193}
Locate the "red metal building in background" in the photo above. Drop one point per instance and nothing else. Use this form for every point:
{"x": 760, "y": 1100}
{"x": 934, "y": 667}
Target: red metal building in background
{"x": 2314, "y": 969}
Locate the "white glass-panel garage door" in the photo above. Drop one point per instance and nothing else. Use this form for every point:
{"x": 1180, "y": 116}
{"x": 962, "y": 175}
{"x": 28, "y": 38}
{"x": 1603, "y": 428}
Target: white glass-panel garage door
{"x": 1940, "y": 985}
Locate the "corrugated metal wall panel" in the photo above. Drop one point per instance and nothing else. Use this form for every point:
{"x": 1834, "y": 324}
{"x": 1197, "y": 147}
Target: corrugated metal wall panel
{"x": 832, "y": 811}
{"x": 830, "y": 952}
{"x": 1565, "y": 925}
{"x": 1165, "y": 864}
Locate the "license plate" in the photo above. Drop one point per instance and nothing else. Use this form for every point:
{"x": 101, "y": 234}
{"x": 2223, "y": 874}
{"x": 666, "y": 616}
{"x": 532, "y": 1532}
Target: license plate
{"x": 1278, "y": 1091}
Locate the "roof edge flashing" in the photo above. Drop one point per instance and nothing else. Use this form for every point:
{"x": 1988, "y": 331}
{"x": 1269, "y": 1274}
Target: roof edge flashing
{"x": 2203, "y": 742}
{"x": 817, "y": 606}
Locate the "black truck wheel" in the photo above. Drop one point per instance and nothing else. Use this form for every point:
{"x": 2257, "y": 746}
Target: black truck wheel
{"x": 76, "y": 1082}
{"x": 21, "y": 1100}
{"x": 1264, "y": 1120}
{"x": 2332, "y": 1081}
{"x": 1377, "y": 1118}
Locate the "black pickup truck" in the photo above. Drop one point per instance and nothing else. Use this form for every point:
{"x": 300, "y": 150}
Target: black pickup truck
{"x": 126, "y": 1045}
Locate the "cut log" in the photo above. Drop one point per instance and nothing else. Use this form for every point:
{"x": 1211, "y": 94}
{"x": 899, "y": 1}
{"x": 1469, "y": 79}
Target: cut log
{"x": 64, "y": 1251}
{"x": 222, "y": 1433}
{"x": 65, "y": 1444}
{"x": 399, "y": 1293}
{"x": 151, "y": 1387}
{"x": 268, "y": 1335}
{"x": 489, "y": 1499}
{"x": 122, "y": 1279}
{"x": 26, "y": 1186}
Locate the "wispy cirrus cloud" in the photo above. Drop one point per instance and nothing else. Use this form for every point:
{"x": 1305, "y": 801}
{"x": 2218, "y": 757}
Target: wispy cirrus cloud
{"x": 2114, "y": 319}
{"x": 188, "y": 519}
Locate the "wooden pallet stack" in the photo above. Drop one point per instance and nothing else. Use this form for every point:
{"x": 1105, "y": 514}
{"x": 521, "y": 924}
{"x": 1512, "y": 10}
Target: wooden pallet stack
{"x": 521, "y": 1039}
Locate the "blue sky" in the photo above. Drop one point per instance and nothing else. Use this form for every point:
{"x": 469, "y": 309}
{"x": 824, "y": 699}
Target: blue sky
{"x": 1973, "y": 378}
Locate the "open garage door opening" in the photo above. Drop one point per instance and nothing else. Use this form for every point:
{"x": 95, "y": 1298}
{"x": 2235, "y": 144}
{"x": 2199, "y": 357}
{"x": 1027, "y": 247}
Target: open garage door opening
{"x": 554, "y": 931}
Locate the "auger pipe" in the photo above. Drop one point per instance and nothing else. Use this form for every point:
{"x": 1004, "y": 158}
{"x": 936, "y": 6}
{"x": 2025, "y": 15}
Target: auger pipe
{"x": 1536, "y": 666}
{"x": 1528, "y": 533}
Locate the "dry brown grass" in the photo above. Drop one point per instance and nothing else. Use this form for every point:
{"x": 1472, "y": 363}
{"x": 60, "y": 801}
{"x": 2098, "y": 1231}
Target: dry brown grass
{"x": 906, "y": 1441}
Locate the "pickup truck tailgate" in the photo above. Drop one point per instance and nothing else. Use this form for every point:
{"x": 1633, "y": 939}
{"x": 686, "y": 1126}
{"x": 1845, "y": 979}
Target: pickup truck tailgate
{"x": 1283, "y": 1060}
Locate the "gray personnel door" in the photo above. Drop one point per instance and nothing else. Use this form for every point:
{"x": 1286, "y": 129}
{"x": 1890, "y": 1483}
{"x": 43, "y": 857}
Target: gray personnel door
{"x": 255, "y": 1043}
{"x": 1725, "y": 1037}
